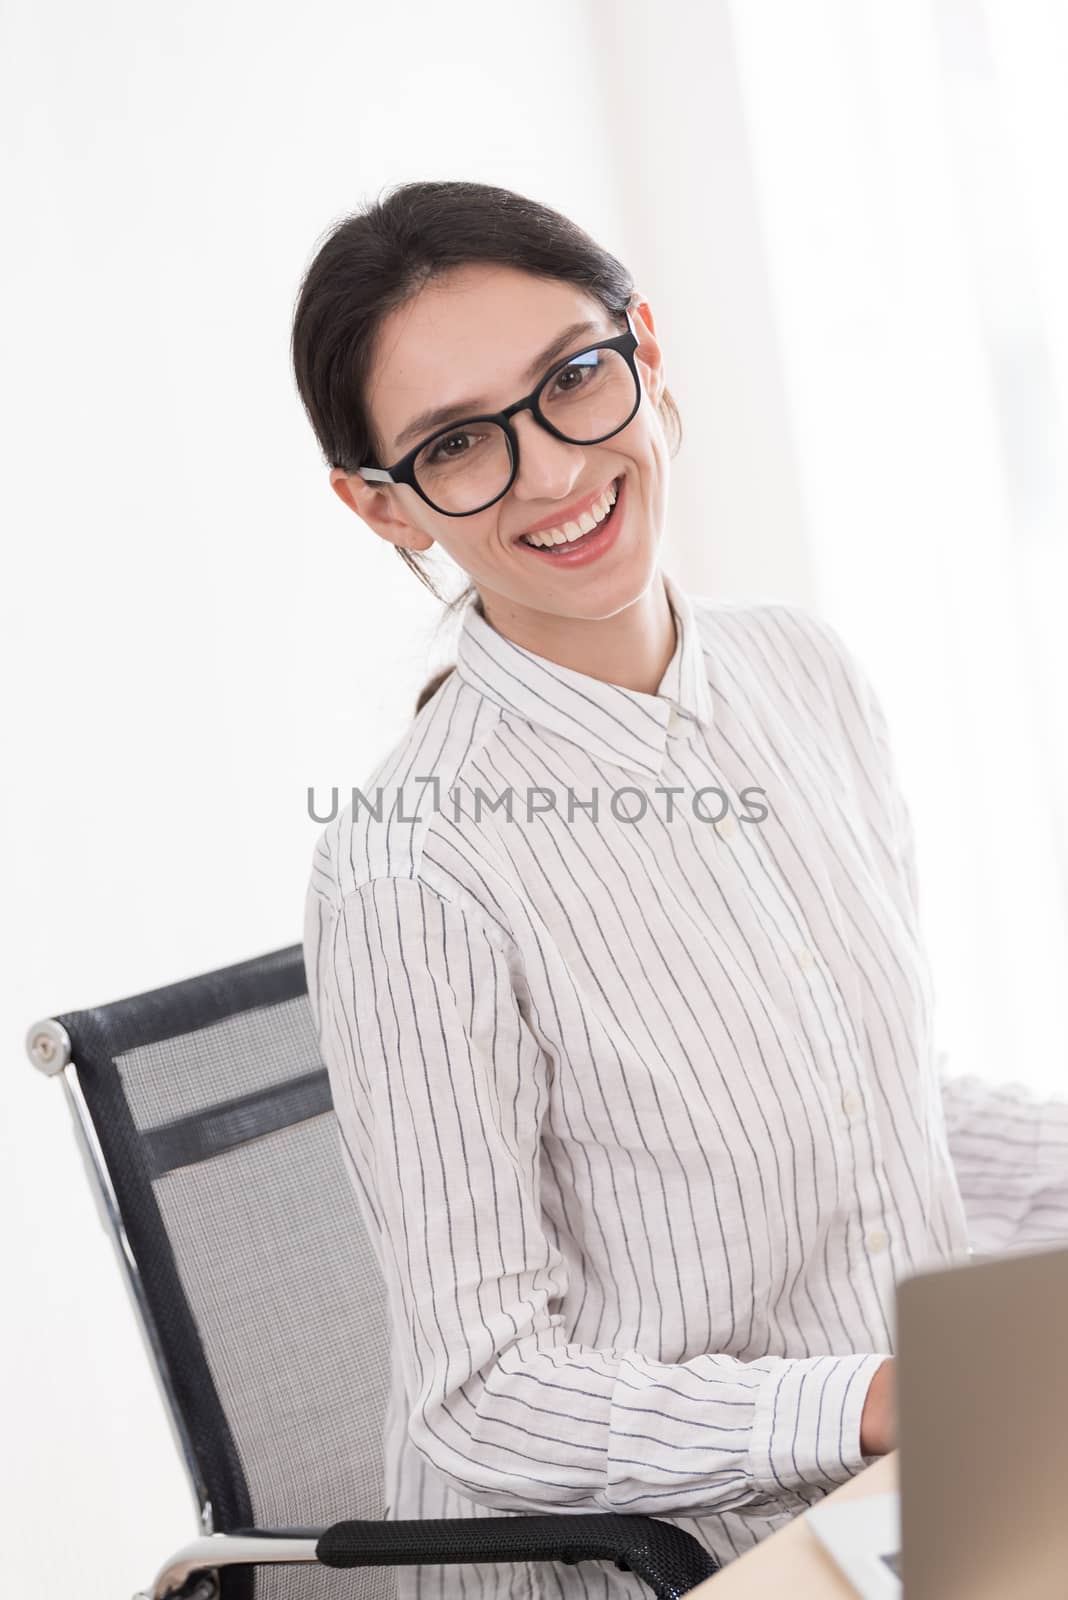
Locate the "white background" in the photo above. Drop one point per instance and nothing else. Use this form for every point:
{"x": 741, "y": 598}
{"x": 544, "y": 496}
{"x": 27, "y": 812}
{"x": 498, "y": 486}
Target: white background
{"x": 848, "y": 219}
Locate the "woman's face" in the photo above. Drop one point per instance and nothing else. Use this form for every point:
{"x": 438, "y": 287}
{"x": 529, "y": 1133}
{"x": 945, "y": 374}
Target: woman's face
{"x": 472, "y": 336}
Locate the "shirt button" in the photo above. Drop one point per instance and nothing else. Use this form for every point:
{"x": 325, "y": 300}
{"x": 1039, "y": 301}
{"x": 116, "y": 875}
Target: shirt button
{"x": 805, "y": 957}
{"x": 877, "y": 1240}
{"x": 726, "y": 826}
{"x": 673, "y": 719}
{"x": 851, "y": 1102}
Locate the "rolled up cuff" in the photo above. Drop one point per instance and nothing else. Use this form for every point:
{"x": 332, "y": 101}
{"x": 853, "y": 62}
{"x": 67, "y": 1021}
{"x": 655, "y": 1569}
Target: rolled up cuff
{"x": 806, "y": 1422}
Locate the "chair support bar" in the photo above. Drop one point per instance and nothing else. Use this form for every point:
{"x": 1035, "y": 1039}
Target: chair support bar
{"x": 226, "y": 1550}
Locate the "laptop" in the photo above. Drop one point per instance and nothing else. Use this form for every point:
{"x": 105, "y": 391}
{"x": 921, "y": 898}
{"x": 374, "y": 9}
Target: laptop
{"x": 982, "y": 1393}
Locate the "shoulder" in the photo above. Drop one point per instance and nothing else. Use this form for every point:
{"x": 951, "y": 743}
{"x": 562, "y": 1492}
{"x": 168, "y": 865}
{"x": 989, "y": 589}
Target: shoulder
{"x": 379, "y": 827}
{"x": 790, "y": 652}
{"x": 792, "y": 630}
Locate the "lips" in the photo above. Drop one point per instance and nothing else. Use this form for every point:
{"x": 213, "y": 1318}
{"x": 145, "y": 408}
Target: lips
{"x": 590, "y": 546}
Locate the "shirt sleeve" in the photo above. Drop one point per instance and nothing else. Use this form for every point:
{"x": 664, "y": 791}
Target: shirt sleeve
{"x": 1009, "y": 1147}
{"x": 1010, "y": 1151}
{"x": 441, "y": 1090}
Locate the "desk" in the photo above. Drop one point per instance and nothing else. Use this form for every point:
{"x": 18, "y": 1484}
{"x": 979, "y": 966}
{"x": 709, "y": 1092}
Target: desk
{"x": 793, "y": 1562}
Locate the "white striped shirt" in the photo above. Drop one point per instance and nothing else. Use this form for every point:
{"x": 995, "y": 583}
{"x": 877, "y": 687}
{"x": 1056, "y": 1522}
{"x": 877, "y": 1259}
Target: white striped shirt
{"x": 642, "y": 1109}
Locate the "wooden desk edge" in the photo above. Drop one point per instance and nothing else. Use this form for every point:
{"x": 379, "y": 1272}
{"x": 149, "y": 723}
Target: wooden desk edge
{"x": 794, "y": 1555}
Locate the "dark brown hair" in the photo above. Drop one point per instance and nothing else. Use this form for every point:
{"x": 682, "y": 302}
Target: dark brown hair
{"x": 380, "y": 257}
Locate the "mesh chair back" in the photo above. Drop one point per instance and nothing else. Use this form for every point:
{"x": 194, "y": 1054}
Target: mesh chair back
{"x": 213, "y": 1113}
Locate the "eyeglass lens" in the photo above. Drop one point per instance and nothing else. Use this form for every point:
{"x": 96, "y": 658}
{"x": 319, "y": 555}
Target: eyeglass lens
{"x": 590, "y": 398}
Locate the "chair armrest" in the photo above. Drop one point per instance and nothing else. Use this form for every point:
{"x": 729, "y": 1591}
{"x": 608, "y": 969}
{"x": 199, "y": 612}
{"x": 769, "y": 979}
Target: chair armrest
{"x": 667, "y": 1558}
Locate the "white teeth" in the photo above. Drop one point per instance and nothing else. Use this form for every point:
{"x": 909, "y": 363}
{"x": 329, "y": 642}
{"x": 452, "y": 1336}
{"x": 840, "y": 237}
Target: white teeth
{"x": 574, "y": 530}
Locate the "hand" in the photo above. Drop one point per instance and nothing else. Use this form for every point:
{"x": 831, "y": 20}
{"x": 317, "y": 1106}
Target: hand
{"x": 878, "y": 1420}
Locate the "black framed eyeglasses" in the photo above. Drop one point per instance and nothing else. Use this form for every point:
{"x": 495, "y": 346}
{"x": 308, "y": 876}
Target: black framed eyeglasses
{"x": 584, "y": 399}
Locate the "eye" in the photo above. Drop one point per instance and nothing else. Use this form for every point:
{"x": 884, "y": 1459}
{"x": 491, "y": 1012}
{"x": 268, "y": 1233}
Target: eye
{"x": 577, "y": 373}
{"x": 440, "y": 450}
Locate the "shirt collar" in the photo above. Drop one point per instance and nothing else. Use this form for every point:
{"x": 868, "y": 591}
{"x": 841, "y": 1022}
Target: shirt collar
{"x": 613, "y": 724}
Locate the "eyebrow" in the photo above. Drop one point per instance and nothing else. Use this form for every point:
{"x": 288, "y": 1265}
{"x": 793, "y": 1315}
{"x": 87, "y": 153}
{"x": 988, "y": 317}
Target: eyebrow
{"x": 438, "y": 416}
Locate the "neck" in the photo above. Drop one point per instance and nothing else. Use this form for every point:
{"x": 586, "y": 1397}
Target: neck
{"x": 631, "y": 648}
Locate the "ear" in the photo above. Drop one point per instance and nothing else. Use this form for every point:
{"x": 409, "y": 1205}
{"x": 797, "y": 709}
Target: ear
{"x": 380, "y": 507}
{"x": 648, "y": 354}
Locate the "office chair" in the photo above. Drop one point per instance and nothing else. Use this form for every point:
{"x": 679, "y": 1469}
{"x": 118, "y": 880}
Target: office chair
{"x": 204, "y": 1115}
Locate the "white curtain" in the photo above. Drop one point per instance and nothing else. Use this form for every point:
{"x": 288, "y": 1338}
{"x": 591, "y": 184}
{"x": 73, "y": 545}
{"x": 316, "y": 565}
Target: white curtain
{"x": 909, "y": 160}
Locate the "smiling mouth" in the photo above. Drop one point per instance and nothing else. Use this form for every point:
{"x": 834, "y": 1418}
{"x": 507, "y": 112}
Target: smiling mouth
{"x": 578, "y": 539}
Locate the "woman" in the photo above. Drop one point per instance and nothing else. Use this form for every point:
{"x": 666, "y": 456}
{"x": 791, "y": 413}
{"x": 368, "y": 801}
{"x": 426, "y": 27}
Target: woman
{"x": 614, "y": 958}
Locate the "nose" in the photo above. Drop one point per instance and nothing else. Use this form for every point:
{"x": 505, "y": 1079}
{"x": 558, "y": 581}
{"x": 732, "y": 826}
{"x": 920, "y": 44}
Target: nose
{"x": 548, "y": 467}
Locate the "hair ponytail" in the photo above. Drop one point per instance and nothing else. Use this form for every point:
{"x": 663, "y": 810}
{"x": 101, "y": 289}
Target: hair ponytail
{"x": 431, "y": 687}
